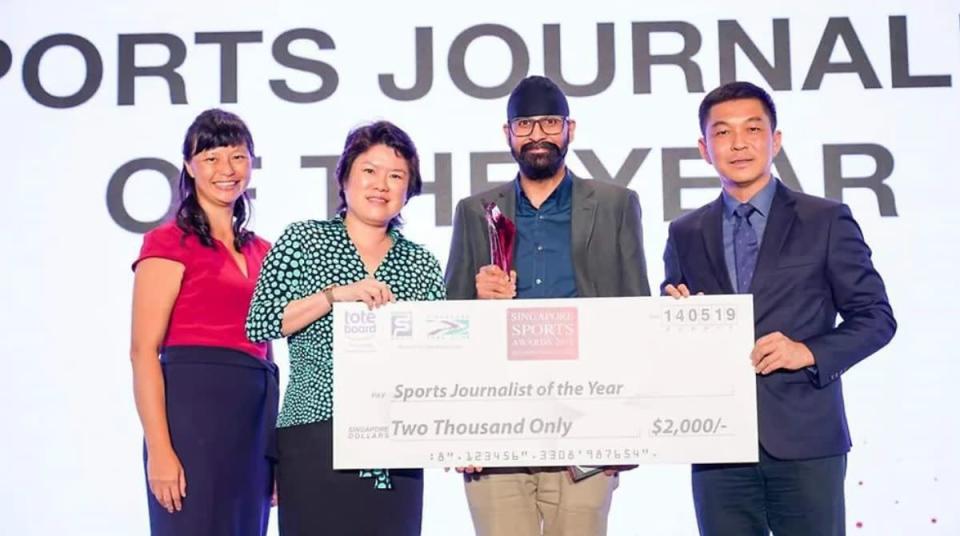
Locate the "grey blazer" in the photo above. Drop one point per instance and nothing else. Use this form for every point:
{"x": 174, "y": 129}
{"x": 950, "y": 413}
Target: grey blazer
{"x": 606, "y": 232}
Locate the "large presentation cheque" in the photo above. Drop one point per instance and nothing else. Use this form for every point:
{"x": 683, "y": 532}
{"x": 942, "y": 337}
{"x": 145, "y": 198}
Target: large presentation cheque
{"x": 590, "y": 381}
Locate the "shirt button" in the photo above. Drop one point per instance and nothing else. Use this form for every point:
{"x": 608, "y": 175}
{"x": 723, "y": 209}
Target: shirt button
{"x": 539, "y": 248}
{"x": 539, "y": 281}
{"x": 539, "y": 217}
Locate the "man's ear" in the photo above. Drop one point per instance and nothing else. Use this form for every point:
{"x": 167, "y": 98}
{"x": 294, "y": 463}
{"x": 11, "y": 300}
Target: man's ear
{"x": 702, "y": 145}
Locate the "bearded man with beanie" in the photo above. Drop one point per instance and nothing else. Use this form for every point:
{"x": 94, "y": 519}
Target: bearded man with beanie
{"x": 574, "y": 238}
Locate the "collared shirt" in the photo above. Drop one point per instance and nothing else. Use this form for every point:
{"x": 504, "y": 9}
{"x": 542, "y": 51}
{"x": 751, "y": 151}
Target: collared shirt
{"x": 761, "y": 201}
{"x": 543, "y": 257}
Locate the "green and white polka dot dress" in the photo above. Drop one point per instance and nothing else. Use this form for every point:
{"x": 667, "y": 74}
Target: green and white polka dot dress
{"x": 310, "y": 256}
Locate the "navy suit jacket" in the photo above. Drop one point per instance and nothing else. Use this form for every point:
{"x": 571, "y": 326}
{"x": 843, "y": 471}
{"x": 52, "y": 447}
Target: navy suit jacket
{"x": 813, "y": 264}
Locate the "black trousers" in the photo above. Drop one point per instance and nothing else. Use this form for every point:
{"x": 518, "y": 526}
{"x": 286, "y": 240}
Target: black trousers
{"x": 315, "y": 500}
{"x": 786, "y": 497}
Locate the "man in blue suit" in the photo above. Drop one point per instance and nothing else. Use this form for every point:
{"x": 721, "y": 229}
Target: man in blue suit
{"x": 804, "y": 260}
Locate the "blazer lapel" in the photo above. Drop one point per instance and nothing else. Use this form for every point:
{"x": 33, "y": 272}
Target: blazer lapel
{"x": 712, "y": 225}
{"x": 779, "y": 222}
{"x": 583, "y": 214}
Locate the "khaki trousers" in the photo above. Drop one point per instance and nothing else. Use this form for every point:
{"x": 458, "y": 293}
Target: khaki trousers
{"x": 538, "y": 501}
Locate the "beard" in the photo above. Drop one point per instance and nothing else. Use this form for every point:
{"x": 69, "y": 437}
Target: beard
{"x": 540, "y": 166}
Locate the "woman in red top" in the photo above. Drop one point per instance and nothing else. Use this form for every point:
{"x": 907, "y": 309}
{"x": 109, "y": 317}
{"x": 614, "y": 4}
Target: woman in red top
{"x": 208, "y": 405}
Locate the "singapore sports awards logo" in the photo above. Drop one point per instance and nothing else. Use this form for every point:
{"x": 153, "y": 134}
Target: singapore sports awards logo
{"x": 542, "y": 333}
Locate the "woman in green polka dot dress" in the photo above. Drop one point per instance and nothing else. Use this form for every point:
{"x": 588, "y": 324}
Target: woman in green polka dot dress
{"x": 357, "y": 256}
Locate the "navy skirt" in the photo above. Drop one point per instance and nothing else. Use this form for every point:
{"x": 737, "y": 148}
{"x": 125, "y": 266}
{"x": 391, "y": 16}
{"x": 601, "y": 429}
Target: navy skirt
{"x": 221, "y": 411}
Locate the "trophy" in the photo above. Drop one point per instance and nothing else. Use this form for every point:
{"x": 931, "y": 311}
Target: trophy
{"x": 502, "y": 233}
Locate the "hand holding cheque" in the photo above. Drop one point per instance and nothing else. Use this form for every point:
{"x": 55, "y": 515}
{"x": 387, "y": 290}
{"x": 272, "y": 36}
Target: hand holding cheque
{"x": 772, "y": 352}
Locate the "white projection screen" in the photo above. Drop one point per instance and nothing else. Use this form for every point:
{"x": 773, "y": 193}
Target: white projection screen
{"x": 95, "y": 98}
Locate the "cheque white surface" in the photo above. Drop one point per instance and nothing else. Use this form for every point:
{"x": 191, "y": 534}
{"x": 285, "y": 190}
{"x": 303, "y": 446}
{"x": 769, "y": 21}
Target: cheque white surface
{"x": 592, "y": 381}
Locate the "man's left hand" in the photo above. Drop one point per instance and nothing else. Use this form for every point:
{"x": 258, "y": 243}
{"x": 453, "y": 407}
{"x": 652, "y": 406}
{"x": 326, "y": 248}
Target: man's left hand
{"x": 777, "y": 351}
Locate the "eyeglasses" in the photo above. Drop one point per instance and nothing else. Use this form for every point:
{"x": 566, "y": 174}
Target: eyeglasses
{"x": 551, "y": 124}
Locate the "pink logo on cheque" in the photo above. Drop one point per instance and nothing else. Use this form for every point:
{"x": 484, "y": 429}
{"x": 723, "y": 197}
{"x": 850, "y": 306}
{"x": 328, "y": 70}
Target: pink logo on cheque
{"x": 537, "y": 333}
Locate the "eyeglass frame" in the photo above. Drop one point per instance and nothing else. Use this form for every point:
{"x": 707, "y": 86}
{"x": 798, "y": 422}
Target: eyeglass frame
{"x": 537, "y": 121}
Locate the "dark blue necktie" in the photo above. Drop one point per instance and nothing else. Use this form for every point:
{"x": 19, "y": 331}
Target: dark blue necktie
{"x": 745, "y": 246}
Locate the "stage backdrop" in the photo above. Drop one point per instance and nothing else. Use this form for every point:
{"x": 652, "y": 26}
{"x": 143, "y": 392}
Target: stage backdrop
{"x": 94, "y": 101}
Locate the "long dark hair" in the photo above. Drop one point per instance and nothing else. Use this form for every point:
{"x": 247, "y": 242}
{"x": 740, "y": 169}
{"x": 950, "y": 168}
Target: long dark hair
{"x": 211, "y": 129}
{"x": 379, "y": 133}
